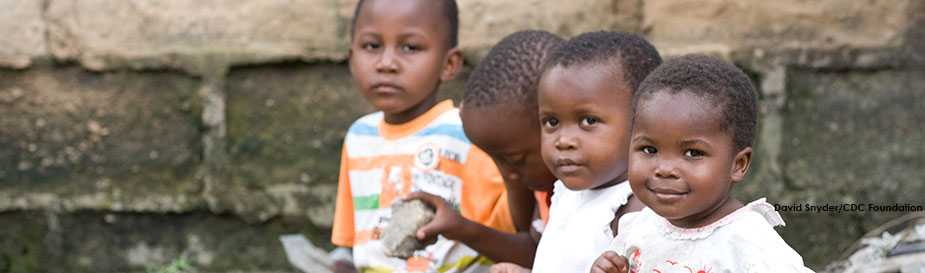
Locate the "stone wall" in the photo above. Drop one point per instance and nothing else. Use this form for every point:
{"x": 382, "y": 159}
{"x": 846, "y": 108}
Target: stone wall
{"x": 134, "y": 132}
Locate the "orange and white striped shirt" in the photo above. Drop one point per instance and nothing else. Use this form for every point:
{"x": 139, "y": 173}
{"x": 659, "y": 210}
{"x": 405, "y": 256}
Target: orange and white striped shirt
{"x": 381, "y": 162}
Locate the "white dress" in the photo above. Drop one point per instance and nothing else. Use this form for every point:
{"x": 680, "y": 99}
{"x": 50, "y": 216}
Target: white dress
{"x": 741, "y": 242}
{"x": 579, "y": 227}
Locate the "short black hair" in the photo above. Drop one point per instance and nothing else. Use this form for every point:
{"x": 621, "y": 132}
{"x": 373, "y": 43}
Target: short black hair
{"x": 629, "y": 52}
{"x": 715, "y": 80}
{"x": 511, "y": 71}
{"x": 450, "y": 11}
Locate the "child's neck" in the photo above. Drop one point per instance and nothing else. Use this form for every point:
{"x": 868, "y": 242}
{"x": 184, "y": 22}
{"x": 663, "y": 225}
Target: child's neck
{"x": 613, "y": 182}
{"x": 709, "y": 216}
{"x": 412, "y": 113}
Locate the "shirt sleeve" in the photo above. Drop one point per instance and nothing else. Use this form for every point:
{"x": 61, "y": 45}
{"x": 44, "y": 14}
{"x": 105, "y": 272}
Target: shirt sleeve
{"x": 342, "y": 231}
{"x": 484, "y": 197}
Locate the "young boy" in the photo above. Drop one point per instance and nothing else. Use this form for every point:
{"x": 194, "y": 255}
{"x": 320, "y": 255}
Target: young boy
{"x": 585, "y": 108}
{"x": 694, "y": 124}
{"x": 400, "y": 53}
{"x": 499, "y": 116}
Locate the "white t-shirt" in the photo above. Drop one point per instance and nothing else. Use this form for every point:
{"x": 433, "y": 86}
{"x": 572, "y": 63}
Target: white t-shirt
{"x": 579, "y": 227}
{"x": 741, "y": 242}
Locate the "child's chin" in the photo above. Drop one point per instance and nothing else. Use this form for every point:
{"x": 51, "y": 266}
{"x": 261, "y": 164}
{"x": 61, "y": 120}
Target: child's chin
{"x": 668, "y": 212}
{"x": 391, "y": 108}
{"x": 576, "y": 184}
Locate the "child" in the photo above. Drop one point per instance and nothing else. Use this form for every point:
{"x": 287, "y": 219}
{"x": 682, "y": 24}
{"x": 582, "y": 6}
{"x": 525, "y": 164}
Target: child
{"x": 694, "y": 125}
{"x": 499, "y": 116}
{"x": 400, "y": 53}
{"x": 585, "y": 101}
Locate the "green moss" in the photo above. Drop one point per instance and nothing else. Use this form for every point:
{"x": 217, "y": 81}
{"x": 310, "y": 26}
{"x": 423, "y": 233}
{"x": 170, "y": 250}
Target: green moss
{"x": 22, "y": 247}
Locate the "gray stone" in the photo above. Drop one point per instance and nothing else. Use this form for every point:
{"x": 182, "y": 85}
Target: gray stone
{"x": 399, "y": 238}
{"x": 23, "y": 32}
{"x": 22, "y": 242}
{"x": 93, "y": 241}
{"x": 841, "y": 137}
{"x": 74, "y": 139}
{"x": 854, "y": 134}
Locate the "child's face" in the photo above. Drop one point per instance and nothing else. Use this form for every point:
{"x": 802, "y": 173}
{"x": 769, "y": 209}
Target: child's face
{"x": 510, "y": 134}
{"x": 585, "y": 119}
{"x": 682, "y": 163}
{"x": 399, "y": 55}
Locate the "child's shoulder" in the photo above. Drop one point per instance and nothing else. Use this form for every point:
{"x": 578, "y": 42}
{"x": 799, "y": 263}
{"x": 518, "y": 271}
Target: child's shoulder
{"x": 758, "y": 215}
{"x": 753, "y": 228}
{"x": 447, "y": 123}
{"x": 366, "y": 125}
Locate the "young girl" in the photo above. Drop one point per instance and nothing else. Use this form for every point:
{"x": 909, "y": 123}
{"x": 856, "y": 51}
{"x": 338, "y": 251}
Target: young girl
{"x": 694, "y": 124}
{"x": 585, "y": 108}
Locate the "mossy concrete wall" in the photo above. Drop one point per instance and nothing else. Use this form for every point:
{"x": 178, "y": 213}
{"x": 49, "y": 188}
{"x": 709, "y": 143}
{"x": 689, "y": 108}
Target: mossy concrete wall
{"x": 135, "y": 132}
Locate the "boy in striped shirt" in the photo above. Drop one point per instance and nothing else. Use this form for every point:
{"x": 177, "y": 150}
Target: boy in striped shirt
{"x": 400, "y": 53}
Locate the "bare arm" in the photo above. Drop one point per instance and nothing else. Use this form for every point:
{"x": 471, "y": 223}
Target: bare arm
{"x": 632, "y": 205}
{"x": 518, "y": 248}
{"x": 522, "y": 205}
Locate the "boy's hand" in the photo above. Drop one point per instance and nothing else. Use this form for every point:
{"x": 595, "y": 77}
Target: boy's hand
{"x": 447, "y": 221}
{"x": 508, "y": 268}
{"x": 610, "y": 262}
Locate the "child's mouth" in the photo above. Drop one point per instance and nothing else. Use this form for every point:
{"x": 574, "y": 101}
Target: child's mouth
{"x": 668, "y": 195}
{"x": 567, "y": 166}
{"x": 386, "y": 89}
{"x": 568, "y": 169}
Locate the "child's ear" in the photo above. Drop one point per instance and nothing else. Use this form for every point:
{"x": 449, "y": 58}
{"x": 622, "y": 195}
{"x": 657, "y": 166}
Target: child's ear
{"x": 741, "y": 163}
{"x": 454, "y": 62}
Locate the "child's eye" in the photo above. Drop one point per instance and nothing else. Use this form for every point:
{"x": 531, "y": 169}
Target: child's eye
{"x": 551, "y": 122}
{"x": 369, "y": 46}
{"x": 693, "y": 153}
{"x": 587, "y": 121}
{"x": 410, "y": 48}
{"x": 649, "y": 150}
{"x": 515, "y": 160}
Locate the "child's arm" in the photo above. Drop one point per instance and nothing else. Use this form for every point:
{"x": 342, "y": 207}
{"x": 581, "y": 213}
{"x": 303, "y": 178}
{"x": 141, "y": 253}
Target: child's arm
{"x": 632, "y": 205}
{"x": 521, "y": 204}
{"x": 610, "y": 262}
{"x": 342, "y": 230}
{"x": 499, "y": 246}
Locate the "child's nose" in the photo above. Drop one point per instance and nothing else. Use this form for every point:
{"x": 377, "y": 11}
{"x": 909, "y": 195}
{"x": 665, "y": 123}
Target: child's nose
{"x": 665, "y": 169}
{"x": 387, "y": 62}
{"x": 565, "y": 142}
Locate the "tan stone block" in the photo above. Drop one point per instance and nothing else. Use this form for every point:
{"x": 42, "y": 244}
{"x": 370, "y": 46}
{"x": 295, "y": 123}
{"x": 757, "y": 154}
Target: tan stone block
{"x": 201, "y": 36}
{"x": 23, "y": 33}
{"x": 485, "y": 22}
{"x": 722, "y": 26}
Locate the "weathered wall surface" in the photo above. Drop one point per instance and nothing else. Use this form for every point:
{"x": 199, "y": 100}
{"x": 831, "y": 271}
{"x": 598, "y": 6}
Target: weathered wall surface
{"x": 135, "y": 132}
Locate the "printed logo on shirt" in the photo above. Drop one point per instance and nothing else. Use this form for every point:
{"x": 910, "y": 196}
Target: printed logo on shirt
{"x": 451, "y": 155}
{"x": 426, "y": 157}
